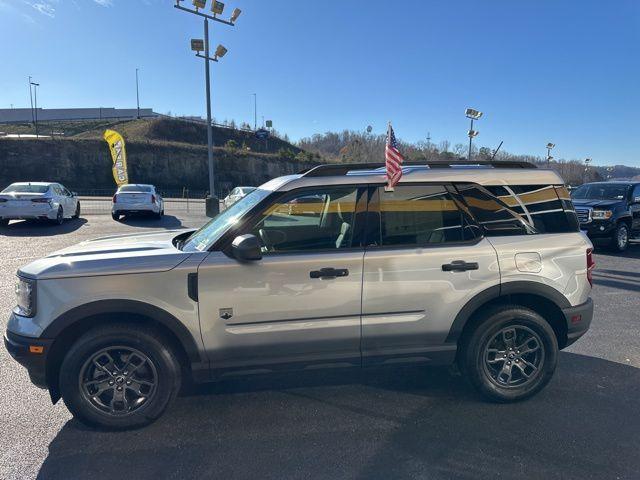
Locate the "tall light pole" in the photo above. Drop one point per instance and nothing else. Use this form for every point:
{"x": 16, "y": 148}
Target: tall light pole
{"x": 549, "y": 157}
{"x": 473, "y": 115}
{"x": 35, "y": 98}
{"x": 587, "y": 161}
{"x": 212, "y": 204}
{"x": 31, "y": 100}
{"x": 137, "y": 94}
{"x": 255, "y": 112}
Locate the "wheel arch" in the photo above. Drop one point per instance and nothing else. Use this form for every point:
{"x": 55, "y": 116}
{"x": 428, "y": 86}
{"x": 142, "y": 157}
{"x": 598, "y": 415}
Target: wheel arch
{"x": 72, "y": 324}
{"x": 541, "y": 298}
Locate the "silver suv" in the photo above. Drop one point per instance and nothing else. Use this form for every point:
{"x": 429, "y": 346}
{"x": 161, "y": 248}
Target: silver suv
{"x": 482, "y": 264}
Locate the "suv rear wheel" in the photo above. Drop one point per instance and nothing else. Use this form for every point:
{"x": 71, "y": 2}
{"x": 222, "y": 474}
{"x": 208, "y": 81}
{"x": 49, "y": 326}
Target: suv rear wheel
{"x": 119, "y": 377}
{"x": 510, "y": 355}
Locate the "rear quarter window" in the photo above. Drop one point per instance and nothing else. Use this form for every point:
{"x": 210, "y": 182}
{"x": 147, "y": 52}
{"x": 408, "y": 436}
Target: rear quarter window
{"x": 547, "y": 208}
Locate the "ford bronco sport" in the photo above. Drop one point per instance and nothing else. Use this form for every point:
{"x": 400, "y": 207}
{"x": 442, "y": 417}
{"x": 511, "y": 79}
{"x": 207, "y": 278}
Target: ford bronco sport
{"x": 482, "y": 264}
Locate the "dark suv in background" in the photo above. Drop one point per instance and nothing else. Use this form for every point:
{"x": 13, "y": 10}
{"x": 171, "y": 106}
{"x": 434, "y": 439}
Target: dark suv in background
{"x": 609, "y": 212}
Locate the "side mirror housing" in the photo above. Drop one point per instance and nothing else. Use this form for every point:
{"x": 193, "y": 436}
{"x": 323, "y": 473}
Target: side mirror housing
{"x": 246, "y": 248}
{"x": 74, "y": 194}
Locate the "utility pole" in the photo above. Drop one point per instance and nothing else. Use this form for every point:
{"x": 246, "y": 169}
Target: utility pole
{"x": 211, "y": 202}
{"x": 137, "y": 94}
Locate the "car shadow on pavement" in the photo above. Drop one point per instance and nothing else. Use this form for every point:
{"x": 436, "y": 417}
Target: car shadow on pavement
{"x": 167, "y": 221}
{"x": 632, "y": 252}
{"x": 384, "y": 423}
{"x": 40, "y": 228}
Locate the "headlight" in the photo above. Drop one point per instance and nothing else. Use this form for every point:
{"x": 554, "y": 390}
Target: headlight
{"x": 26, "y": 296}
{"x": 602, "y": 214}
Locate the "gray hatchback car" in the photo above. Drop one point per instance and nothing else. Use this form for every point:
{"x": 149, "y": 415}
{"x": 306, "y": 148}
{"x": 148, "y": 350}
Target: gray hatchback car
{"x": 479, "y": 264}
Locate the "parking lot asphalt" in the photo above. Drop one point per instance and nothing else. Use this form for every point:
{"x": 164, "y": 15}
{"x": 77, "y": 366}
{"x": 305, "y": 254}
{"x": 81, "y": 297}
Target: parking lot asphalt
{"x": 409, "y": 422}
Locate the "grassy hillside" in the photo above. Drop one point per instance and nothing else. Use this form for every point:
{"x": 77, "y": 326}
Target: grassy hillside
{"x": 171, "y": 154}
{"x": 165, "y": 130}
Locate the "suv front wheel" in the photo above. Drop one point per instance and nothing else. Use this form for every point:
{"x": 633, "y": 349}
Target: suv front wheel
{"x": 510, "y": 355}
{"x": 620, "y": 238}
{"x": 119, "y": 377}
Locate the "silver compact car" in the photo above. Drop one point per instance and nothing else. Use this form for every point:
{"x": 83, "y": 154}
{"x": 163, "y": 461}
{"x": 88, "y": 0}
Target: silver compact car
{"x": 482, "y": 265}
{"x": 38, "y": 201}
{"x": 136, "y": 199}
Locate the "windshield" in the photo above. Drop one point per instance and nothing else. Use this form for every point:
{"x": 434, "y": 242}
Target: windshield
{"x": 600, "y": 191}
{"x": 135, "y": 188}
{"x": 26, "y": 188}
{"x": 207, "y": 235}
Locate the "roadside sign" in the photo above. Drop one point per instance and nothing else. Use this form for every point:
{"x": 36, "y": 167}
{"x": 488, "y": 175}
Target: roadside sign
{"x": 269, "y": 123}
{"x": 262, "y": 133}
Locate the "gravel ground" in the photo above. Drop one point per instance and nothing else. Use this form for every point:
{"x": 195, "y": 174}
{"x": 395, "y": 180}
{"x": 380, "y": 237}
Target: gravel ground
{"x": 386, "y": 423}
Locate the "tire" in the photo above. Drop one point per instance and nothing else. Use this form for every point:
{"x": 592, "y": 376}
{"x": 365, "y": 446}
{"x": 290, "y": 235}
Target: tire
{"x": 620, "y": 238}
{"x": 88, "y": 384}
{"x": 479, "y": 359}
{"x": 77, "y": 214}
{"x": 115, "y": 216}
{"x": 59, "y": 220}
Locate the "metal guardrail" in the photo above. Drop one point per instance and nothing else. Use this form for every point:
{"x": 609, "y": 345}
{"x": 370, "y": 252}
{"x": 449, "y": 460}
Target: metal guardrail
{"x": 102, "y": 205}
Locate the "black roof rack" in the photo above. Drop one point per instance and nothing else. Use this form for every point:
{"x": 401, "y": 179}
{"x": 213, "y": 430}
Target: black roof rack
{"x": 335, "y": 169}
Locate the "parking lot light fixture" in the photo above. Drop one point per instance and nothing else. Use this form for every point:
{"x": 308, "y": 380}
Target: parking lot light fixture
{"x": 197, "y": 44}
{"x": 549, "y": 148}
{"x": 221, "y": 51}
{"x": 234, "y": 15}
{"x": 217, "y": 7}
{"x": 472, "y": 114}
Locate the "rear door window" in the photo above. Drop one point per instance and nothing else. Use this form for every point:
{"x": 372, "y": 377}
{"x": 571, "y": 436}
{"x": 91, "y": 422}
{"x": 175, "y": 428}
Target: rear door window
{"x": 418, "y": 216}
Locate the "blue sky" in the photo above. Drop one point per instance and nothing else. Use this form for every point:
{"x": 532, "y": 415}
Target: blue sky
{"x": 541, "y": 70}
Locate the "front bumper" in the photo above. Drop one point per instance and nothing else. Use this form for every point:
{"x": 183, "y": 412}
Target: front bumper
{"x": 598, "y": 228}
{"x": 578, "y": 320}
{"x": 31, "y": 353}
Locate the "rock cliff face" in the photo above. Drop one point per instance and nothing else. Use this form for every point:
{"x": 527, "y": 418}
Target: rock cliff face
{"x": 83, "y": 165}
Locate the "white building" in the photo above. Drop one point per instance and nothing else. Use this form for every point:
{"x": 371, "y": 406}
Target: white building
{"x": 23, "y": 115}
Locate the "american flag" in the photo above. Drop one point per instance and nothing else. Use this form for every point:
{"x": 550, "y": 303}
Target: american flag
{"x": 393, "y": 159}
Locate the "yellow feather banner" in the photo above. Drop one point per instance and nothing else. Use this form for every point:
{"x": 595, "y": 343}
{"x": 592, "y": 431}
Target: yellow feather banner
{"x": 119, "y": 156}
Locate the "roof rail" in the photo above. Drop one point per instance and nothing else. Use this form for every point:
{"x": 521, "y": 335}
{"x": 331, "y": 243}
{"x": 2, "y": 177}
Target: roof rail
{"x": 335, "y": 169}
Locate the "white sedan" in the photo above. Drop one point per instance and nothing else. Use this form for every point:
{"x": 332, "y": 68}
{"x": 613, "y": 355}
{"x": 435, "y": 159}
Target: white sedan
{"x": 137, "y": 198}
{"x": 235, "y": 195}
{"x": 37, "y": 201}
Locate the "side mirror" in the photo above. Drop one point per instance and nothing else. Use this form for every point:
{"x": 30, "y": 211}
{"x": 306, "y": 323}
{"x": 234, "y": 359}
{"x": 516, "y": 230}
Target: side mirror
{"x": 246, "y": 248}
{"x": 74, "y": 194}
